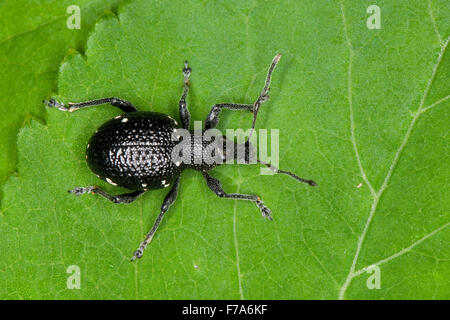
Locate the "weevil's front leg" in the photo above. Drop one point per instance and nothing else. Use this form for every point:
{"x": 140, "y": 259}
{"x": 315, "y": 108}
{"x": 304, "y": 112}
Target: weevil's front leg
{"x": 123, "y": 105}
{"x": 185, "y": 116}
{"x": 264, "y": 96}
{"x": 216, "y": 187}
{"x": 213, "y": 116}
{"x": 168, "y": 201}
{"x": 121, "y": 198}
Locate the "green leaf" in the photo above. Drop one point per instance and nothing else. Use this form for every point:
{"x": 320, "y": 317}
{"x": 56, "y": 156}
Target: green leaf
{"x": 362, "y": 112}
{"x": 33, "y": 41}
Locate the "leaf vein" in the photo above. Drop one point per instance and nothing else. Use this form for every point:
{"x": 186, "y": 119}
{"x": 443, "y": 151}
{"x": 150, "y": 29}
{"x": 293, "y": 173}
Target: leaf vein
{"x": 377, "y": 195}
{"x": 403, "y": 251}
{"x": 433, "y": 21}
{"x": 350, "y": 104}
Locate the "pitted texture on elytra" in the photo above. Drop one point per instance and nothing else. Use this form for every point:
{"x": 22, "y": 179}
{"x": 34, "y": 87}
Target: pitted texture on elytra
{"x": 134, "y": 151}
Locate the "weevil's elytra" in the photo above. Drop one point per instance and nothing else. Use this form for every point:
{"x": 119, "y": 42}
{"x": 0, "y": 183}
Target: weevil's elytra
{"x": 134, "y": 151}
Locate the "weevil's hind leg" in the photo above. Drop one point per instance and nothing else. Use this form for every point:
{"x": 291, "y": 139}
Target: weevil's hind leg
{"x": 216, "y": 187}
{"x": 292, "y": 175}
{"x": 168, "y": 201}
{"x": 121, "y": 198}
{"x": 213, "y": 116}
{"x": 185, "y": 116}
{"x": 123, "y": 105}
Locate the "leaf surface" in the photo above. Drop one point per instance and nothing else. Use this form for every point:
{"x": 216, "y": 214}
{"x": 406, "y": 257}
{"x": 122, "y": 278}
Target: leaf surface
{"x": 33, "y": 41}
{"x": 362, "y": 112}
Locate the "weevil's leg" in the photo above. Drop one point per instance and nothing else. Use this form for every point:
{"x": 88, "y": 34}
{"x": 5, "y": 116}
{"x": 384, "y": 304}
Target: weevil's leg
{"x": 168, "y": 201}
{"x": 121, "y": 198}
{"x": 123, "y": 105}
{"x": 216, "y": 187}
{"x": 264, "y": 96}
{"x": 213, "y": 116}
{"x": 292, "y": 175}
{"x": 185, "y": 116}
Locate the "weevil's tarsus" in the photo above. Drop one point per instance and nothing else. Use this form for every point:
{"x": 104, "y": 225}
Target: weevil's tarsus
{"x": 185, "y": 116}
{"x": 52, "y": 103}
{"x": 78, "y": 191}
{"x": 168, "y": 201}
{"x": 121, "y": 198}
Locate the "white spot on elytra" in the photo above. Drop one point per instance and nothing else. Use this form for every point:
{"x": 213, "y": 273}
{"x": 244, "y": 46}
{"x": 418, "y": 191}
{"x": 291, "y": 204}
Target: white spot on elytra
{"x": 118, "y": 117}
{"x": 111, "y": 182}
{"x": 163, "y": 182}
{"x": 144, "y": 185}
{"x": 125, "y": 120}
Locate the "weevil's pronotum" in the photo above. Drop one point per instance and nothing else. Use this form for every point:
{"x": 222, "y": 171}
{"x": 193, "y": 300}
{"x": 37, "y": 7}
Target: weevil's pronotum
{"x": 134, "y": 151}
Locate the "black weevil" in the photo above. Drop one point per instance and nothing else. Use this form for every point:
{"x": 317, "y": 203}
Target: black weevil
{"x": 134, "y": 151}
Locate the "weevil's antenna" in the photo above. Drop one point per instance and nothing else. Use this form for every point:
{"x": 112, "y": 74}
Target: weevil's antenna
{"x": 292, "y": 175}
{"x": 264, "y": 96}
